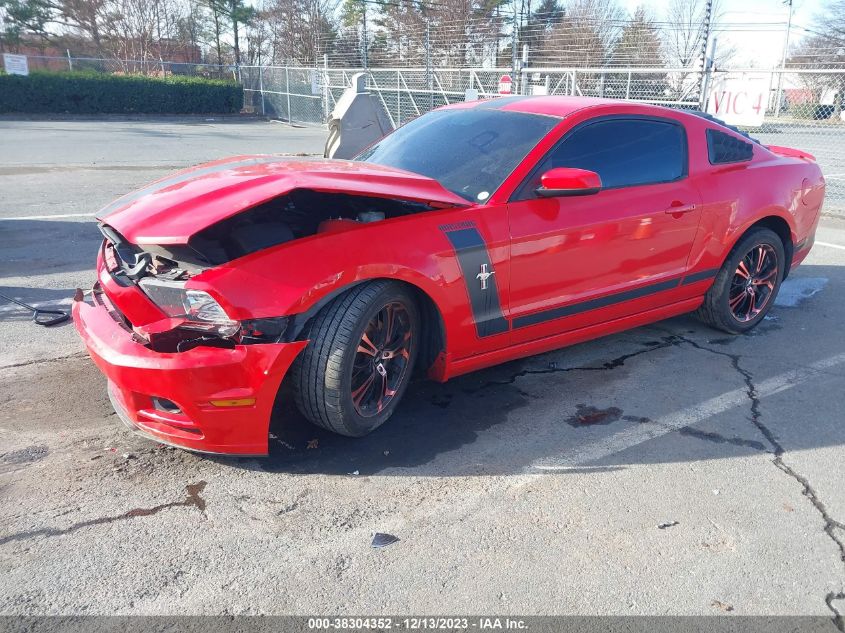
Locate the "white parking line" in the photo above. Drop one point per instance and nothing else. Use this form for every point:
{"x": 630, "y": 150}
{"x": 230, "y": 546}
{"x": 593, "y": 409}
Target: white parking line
{"x": 829, "y": 245}
{"x": 51, "y": 217}
{"x": 629, "y": 438}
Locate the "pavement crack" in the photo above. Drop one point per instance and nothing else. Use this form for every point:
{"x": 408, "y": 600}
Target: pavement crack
{"x": 619, "y": 361}
{"x": 839, "y": 618}
{"x": 193, "y": 499}
{"x": 39, "y": 361}
{"x": 831, "y": 525}
{"x": 718, "y": 438}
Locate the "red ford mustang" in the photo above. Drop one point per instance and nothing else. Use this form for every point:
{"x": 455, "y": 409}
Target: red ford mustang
{"x": 475, "y": 234}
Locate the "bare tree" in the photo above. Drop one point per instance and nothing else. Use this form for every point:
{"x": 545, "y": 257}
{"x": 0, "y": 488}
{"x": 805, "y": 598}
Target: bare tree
{"x": 586, "y": 34}
{"x": 824, "y": 50}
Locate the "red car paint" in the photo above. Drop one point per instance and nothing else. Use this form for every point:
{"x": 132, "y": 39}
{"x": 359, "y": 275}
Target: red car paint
{"x": 623, "y": 257}
{"x": 207, "y": 193}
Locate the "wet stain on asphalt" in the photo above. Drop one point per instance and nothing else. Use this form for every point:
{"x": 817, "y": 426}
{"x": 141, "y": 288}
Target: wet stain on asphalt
{"x": 590, "y": 416}
{"x": 192, "y": 500}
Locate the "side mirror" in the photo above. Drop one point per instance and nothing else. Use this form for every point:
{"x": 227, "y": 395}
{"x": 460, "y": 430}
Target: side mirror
{"x": 568, "y": 181}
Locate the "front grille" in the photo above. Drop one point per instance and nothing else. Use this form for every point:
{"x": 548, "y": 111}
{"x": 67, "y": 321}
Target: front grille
{"x": 102, "y": 299}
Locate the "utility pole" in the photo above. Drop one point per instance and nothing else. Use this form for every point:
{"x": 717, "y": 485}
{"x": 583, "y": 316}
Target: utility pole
{"x": 514, "y": 38}
{"x": 709, "y": 63}
{"x": 779, "y": 93}
{"x": 364, "y": 38}
{"x": 708, "y": 16}
{"x": 429, "y": 77}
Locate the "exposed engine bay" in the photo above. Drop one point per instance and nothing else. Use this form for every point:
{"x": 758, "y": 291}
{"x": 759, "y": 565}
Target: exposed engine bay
{"x": 161, "y": 271}
{"x": 297, "y": 214}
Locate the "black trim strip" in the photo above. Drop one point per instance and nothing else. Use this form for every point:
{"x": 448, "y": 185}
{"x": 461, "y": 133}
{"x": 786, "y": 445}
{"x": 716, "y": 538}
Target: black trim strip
{"x": 592, "y": 304}
{"x": 472, "y": 254}
{"x": 700, "y": 276}
{"x": 602, "y": 302}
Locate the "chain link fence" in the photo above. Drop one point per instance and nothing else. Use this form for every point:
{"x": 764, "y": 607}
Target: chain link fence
{"x": 804, "y": 108}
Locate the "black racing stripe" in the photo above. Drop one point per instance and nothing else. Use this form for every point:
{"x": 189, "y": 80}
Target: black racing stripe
{"x": 180, "y": 178}
{"x": 700, "y": 276}
{"x": 471, "y": 252}
{"x": 495, "y": 104}
{"x": 593, "y": 304}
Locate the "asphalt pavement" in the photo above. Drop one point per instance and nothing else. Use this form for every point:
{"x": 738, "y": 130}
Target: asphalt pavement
{"x": 671, "y": 469}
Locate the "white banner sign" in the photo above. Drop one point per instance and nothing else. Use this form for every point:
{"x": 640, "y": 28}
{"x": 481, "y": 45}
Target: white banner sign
{"x": 739, "y": 98}
{"x": 15, "y": 64}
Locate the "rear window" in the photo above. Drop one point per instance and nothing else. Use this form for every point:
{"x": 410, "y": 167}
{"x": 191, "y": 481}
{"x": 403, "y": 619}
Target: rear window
{"x": 723, "y": 148}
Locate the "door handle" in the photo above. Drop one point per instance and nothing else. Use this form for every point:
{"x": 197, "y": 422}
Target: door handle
{"x": 680, "y": 208}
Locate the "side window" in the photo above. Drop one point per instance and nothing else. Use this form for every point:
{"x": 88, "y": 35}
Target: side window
{"x": 723, "y": 148}
{"x": 623, "y": 152}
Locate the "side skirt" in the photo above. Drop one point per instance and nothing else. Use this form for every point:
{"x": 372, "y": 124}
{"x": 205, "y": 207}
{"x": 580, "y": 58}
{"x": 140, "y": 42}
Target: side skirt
{"x": 454, "y": 368}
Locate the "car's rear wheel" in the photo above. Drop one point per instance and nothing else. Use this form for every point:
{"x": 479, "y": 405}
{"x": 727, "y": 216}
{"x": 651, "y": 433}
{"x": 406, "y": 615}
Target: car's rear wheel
{"x": 351, "y": 376}
{"x": 747, "y": 284}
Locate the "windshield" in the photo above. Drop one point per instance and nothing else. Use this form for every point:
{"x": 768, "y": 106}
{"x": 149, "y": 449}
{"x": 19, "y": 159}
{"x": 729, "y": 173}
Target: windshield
{"x": 468, "y": 151}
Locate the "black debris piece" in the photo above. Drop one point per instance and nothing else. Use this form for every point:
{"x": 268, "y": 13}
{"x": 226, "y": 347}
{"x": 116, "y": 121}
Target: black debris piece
{"x": 383, "y": 540}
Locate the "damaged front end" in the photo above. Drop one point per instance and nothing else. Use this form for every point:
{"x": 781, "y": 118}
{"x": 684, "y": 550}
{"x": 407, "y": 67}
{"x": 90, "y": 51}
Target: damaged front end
{"x": 188, "y": 317}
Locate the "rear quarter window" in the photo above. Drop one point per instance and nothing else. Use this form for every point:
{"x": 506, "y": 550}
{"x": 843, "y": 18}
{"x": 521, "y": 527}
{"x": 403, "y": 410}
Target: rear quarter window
{"x": 723, "y": 148}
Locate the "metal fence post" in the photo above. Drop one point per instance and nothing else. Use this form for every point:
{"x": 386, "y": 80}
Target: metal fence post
{"x": 708, "y": 72}
{"x": 326, "y": 86}
{"x": 287, "y": 92}
{"x": 69, "y": 61}
{"x": 778, "y": 97}
{"x": 261, "y": 87}
{"x": 628, "y": 87}
{"x": 398, "y": 101}
{"x": 514, "y": 37}
{"x": 429, "y": 79}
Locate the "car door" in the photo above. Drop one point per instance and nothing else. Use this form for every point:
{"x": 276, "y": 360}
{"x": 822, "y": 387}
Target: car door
{"x": 578, "y": 261}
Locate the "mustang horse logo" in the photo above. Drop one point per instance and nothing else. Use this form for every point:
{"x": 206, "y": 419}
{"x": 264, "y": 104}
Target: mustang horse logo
{"x": 483, "y": 276}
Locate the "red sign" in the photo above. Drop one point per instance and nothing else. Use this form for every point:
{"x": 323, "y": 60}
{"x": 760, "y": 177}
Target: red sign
{"x": 505, "y": 85}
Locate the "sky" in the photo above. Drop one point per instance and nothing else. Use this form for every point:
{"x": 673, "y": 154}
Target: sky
{"x": 759, "y": 42}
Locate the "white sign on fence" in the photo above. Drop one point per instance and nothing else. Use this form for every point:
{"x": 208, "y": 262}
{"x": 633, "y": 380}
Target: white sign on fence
{"x": 739, "y": 98}
{"x": 15, "y": 64}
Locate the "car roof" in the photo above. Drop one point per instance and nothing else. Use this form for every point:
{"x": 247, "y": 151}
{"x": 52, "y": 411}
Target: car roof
{"x": 557, "y": 106}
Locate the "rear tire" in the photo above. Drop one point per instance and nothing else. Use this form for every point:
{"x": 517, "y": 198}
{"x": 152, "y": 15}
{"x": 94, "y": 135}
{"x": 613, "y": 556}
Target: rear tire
{"x": 747, "y": 284}
{"x": 363, "y": 345}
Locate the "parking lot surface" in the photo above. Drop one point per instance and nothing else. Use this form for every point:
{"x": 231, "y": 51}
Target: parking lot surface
{"x": 671, "y": 469}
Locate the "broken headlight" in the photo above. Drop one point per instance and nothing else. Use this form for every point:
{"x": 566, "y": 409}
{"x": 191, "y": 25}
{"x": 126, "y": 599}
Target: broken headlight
{"x": 199, "y": 308}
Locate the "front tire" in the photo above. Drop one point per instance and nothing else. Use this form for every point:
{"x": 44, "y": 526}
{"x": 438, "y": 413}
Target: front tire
{"x": 747, "y": 284}
{"x": 353, "y": 373}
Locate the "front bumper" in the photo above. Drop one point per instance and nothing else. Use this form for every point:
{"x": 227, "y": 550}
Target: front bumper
{"x": 191, "y": 380}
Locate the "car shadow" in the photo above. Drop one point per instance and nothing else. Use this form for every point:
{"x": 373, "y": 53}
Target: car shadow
{"x": 563, "y": 404}
{"x": 39, "y": 247}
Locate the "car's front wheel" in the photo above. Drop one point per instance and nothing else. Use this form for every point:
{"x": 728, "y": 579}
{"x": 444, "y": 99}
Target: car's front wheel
{"x": 351, "y": 376}
{"x": 747, "y": 284}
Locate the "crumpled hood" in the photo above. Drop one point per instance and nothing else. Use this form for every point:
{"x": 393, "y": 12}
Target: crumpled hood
{"x": 172, "y": 209}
